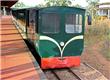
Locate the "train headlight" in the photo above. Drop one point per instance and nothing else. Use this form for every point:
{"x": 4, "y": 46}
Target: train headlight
{"x": 62, "y": 43}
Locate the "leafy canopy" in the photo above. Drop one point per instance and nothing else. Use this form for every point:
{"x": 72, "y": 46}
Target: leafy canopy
{"x": 58, "y": 2}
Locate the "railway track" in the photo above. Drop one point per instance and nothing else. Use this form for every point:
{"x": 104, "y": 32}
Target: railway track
{"x": 62, "y": 74}
{"x": 84, "y": 72}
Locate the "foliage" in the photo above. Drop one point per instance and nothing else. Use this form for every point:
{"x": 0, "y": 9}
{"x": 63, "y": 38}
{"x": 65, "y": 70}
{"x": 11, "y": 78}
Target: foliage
{"x": 58, "y": 2}
{"x": 92, "y": 1}
{"x": 19, "y": 5}
{"x": 105, "y": 48}
{"x": 40, "y": 5}
{"x": 99, "y": 33}
{"x": 77, "y": 5}
{"x": 92, "y": 7}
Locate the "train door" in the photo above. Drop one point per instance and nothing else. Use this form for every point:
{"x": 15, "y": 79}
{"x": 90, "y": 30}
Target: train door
{"x": 32, "y": 25}
{"x": 73, "y": 31}
{"x": 50, "y": 34}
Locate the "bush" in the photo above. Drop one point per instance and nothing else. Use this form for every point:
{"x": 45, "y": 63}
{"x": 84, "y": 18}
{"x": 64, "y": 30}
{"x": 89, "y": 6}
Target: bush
{"x": 99, "y": 32}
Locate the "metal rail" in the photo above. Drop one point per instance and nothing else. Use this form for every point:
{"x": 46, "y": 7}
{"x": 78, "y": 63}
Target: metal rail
{"x": 74, "y": 74}
{"x": 84, "y": 72}
{"x": 57, "y": 73}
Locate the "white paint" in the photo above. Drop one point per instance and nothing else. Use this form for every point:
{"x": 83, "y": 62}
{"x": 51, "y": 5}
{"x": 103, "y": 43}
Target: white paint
{"x": 4, "y": 10}
{"x": 108, "y": 14}
{"x": 62, "y": 43}
{"x": 103, "y": 1}
{"x": 104, "y": 6}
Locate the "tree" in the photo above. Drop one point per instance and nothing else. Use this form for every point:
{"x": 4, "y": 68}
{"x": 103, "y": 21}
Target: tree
{"x": 92, "y": 7}
{"x": 58, "y": 2}
{"x": 40, "y": 5}
{"x": 19, "y": 5}
{"x": 77, "y": 5}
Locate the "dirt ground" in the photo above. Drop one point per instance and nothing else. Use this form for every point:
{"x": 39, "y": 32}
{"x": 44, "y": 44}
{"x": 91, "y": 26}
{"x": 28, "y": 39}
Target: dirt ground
{"x": 93, "y": 57}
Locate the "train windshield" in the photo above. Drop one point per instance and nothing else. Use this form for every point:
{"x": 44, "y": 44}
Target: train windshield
{"x": 21, "y": 15}
{"x": 73, "y": 23}
{"x": 50, "y": 23}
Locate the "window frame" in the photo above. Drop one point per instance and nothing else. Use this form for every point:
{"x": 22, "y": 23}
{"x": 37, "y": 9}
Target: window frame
{"x": 77, "y": 23}
{"x": 58, "y": 26}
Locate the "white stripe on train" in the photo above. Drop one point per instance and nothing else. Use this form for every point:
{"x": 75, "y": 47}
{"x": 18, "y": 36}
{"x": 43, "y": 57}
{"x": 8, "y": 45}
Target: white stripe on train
{"x": 54, "y": 41}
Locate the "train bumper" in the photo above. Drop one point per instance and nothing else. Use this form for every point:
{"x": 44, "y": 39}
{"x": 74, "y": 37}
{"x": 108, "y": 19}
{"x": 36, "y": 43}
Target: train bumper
{"x": 56, "y": 62}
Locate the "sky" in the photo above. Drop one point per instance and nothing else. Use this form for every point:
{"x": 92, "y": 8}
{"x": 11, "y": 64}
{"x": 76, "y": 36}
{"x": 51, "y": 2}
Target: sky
{"x": 36, "y": 2}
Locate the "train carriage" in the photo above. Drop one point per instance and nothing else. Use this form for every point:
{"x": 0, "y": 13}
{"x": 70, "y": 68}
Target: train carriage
{"x": 57, "y": 34}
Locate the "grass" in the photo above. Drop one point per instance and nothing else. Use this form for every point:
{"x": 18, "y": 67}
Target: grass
{"x": 105, "y": 48}
{"x": 99, "y": 33}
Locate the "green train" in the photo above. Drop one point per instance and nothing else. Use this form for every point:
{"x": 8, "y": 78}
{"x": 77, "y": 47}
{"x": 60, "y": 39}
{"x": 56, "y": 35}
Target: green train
{"x": 57, "y": 34}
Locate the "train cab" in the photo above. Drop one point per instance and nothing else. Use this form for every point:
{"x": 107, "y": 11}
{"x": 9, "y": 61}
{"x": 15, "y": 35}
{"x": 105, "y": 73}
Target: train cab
{"x": 61, "y": 41}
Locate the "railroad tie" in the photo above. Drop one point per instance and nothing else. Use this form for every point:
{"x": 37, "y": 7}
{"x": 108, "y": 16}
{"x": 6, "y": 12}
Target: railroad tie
{"x": 101, "y": 78}
{"x": 89, "y": 73}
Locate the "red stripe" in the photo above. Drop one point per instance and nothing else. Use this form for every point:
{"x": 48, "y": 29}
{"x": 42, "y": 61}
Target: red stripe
{"x": 56, "y": 62}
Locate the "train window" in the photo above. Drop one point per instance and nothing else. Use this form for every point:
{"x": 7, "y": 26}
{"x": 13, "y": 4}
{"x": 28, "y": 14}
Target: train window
{"x": 32, "y": 16}
{"x": 50, "y": 23}
{"x": 21, "y": 15}
{"x": 73, "y": 23}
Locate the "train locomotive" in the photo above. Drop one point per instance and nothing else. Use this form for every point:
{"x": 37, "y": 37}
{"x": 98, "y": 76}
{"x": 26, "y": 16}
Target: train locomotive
{"x": 57, "y": 34}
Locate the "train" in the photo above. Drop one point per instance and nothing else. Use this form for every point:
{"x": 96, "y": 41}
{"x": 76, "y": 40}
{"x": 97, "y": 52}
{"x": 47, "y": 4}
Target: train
{"x": 56, "y": 32}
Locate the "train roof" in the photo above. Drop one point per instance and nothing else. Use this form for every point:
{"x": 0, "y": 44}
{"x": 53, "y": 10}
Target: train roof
{"x": 52, "y": 7}
{"x": 63, "y": 7}
{"x": 25, "y": 8}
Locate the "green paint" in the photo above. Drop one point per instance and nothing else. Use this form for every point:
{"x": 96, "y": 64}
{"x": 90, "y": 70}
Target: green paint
{"x": 48, "y": 49}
